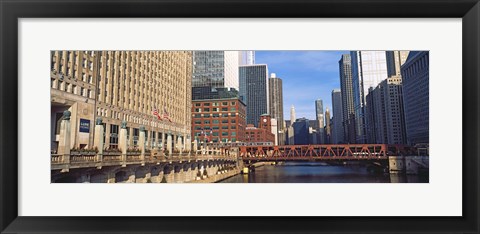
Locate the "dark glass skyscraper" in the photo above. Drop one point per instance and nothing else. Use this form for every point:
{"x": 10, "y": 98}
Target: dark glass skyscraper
{"x": 217, "y": 69}
{"x": 301, "y": 135}
{"x": 254, "y": 91}
{"x": 345, "y": 65}
{"x": 369, "y": 68}
{"x": 337, "y": 130}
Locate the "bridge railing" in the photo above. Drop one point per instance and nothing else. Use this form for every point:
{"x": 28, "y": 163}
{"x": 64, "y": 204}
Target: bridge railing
{"x": 88, "y": 159}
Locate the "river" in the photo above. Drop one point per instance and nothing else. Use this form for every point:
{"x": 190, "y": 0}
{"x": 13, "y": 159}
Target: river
{"x": 313, "y": 172}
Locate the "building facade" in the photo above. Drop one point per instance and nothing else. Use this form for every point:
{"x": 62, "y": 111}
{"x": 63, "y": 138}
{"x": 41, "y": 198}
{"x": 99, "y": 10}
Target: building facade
{"x": 261, "y": 134}
{"x": 301, "y": 131}
{"x": 415, "y": 78}
{"x": 369, "y": 68}
{"x": 337, "y": 125}
{"x": 386, "y": 112}
{"x": 217, "y": 69}
{"x": 328, "y": 130}
{"x": 346, "y": 88}
{"x": 276, "y": 105}
{"x": 219, "y": 120}
{"x": 246, "y": 57}
{"x": 319, "y": 115}
{"x": 254, "y": 91}
{"x": 395, "y": 60}
{"x": 118, "y": 86}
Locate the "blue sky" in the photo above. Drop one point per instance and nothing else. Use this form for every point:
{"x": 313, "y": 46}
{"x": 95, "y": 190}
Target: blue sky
{"x": 307, "y": 76}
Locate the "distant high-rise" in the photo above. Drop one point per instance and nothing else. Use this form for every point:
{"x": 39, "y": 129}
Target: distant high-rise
{"x": 254, "y": 91}
{"x": 276, "y": 104}
{"x": 337, "y": 129}
{"x": 395, "y": 59}
{"x": 217, "y": 69}
{"x": 292, "y": 115}
{"x": 369, "y": 68}
{"x": 246, "y": 57}
{"x": 328, "y": 132}
{"x": 415, "y": 78}
{"x": 385, "y": 113}
{"x": 320, "y": 119}
{"x": 348, "y": 113}
{"x": 301, "y": 132}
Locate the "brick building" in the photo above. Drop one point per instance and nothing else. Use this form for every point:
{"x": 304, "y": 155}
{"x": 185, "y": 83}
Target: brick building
{"x": 261, "y": 134}
{"x": 219, "y": 120}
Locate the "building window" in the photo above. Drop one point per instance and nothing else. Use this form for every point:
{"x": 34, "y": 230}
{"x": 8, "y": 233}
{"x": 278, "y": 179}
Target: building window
{"x": 135, "y": 136}
{"x": 233, "y": 109}
{"x": 224, "y": 108}
{"x": 113, "y": 136}
{"x": 224, "y": 103}
{"x": 206, "y": 109}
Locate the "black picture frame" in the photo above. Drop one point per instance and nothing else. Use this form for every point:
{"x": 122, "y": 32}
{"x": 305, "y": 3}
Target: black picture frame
{"x": 11, "y": 11}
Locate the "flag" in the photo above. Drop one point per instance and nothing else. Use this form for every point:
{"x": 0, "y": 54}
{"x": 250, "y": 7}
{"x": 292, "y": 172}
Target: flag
{"x": 210, "y": 136}
{"x": 155, "y": 113}
{"x": 165, "y": 114}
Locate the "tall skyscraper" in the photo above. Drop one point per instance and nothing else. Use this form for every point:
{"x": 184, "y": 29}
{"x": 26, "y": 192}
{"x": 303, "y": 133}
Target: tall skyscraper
{"x": 292, "y": 115}
{"x": 415, "y": 78}
{"x": 101, "y": 84}
{"x": 395, "y": 60}
{"x": 276, "y": 104}
{"x": 320, "y": 120}
{"x": 369, "y": 68}
{"x": 385, "y": 113}
{"x": 348, "y": 113}
{"x": 328, "y": 132}
{"x": 337, "y": 129}
{"x": 254, "y": 91}
{"x": 246, "y": 57}
{"x": 216, "y": 69}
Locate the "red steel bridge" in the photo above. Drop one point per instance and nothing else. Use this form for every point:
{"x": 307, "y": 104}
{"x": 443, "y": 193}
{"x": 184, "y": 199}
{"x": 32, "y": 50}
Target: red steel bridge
{"x": 322, "y": 152}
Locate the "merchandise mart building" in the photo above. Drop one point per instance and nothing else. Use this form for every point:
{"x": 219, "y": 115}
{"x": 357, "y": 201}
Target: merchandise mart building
{"x": 121, "y": 86}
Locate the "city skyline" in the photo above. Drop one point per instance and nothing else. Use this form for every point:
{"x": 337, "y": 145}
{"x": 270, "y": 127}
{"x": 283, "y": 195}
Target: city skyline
{"x": 148, "y": 114}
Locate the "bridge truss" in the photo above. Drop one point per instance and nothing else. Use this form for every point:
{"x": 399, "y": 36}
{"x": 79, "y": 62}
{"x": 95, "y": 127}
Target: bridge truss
{"x": 320, "y": 152}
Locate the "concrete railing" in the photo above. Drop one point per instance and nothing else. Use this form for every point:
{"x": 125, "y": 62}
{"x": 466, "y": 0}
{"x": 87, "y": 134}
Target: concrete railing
{"x": 116, "y": 158}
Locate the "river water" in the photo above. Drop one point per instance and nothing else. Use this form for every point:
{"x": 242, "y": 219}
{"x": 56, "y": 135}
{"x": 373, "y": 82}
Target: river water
{"x": 314, "y": 172}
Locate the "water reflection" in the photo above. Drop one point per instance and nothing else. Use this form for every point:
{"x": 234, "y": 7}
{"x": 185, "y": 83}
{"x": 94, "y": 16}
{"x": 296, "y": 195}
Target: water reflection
{"x": 312, "y": 172}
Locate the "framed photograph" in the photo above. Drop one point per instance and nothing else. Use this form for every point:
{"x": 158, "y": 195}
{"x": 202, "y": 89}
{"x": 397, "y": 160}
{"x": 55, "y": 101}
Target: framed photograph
{"x": 224, "y": 116}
